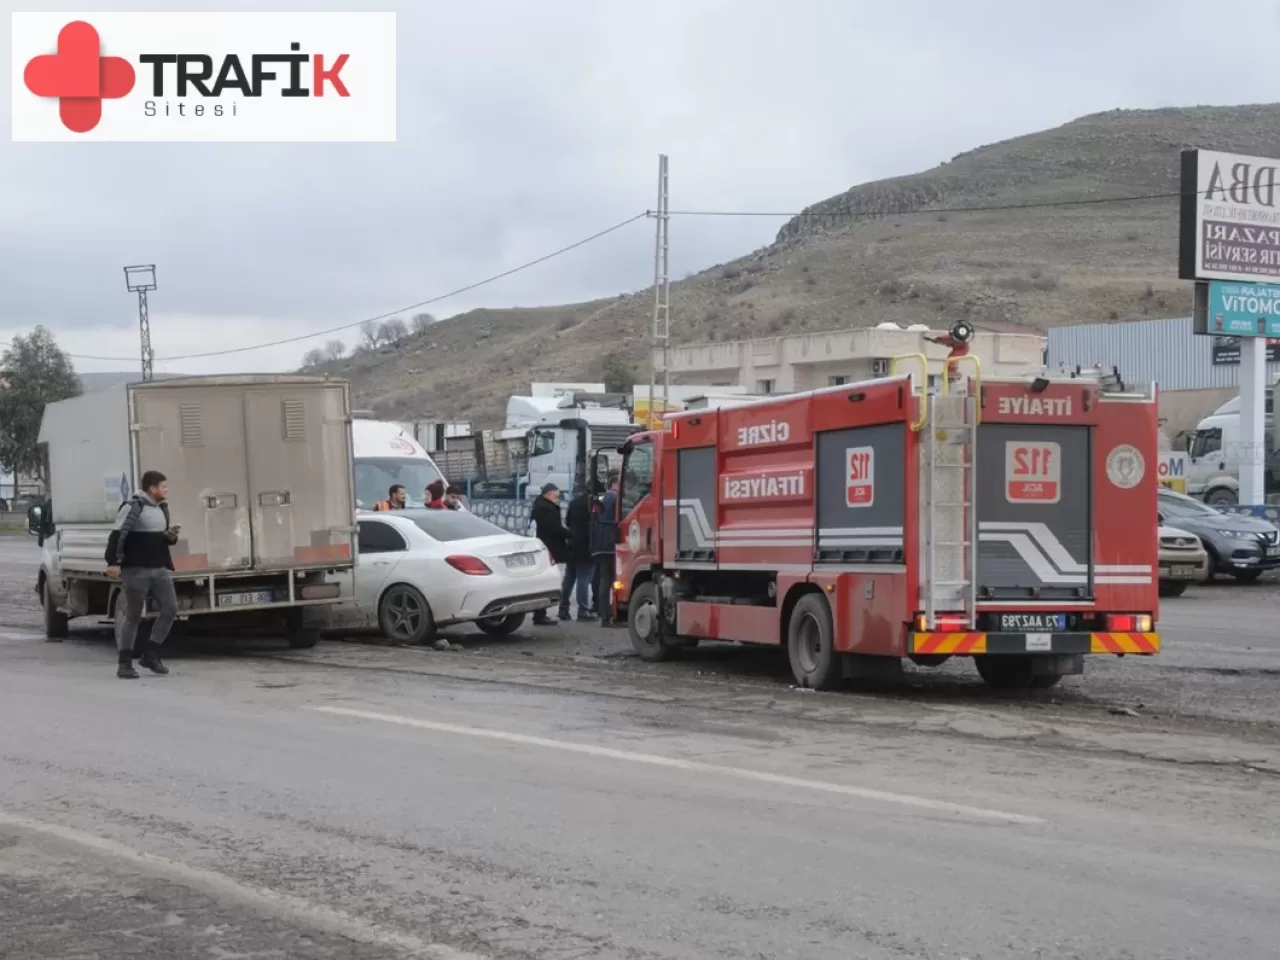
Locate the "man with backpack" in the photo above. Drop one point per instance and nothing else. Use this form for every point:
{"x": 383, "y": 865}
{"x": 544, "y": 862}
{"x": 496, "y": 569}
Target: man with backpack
{"x": 138, "y": 556}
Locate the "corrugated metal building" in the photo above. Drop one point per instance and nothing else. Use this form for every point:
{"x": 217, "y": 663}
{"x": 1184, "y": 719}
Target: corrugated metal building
{"x": 1196, "y": 374}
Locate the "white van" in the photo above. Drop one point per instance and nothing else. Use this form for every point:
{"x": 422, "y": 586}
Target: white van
{"x": 385, "y": 455}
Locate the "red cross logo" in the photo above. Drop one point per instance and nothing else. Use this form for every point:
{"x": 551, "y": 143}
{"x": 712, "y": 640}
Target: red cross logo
{"x": 79, "y": 76}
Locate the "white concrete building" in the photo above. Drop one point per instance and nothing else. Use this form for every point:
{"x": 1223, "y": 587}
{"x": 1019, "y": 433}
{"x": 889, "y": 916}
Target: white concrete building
{"x": 810, "y": 361}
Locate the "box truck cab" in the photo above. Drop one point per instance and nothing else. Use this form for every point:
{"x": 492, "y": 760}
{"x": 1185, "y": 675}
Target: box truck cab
{"x": 385, "y": 455}
{"x": 1215, "y": 454}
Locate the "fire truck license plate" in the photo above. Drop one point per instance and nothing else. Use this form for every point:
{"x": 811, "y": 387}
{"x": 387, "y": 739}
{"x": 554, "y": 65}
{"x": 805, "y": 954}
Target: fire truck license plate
{"x": 1029, "y": 622}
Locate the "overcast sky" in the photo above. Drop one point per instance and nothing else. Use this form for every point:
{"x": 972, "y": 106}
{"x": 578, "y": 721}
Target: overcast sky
{"x": 526, "y": 126}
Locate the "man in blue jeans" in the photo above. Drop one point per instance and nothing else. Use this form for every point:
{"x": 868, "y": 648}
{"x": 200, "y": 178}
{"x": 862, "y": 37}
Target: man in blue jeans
{"x": 579, "y": 568}
{"x": 138, "y": 555}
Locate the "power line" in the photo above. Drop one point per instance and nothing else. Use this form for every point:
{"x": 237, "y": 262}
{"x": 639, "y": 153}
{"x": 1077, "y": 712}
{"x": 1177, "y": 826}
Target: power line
{"x": 934, "y": 211}
{"x": 392, "y": 313}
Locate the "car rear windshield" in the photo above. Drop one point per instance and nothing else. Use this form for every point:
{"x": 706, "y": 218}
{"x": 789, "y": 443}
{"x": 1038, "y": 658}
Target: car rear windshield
{"x": 448, "y": 525}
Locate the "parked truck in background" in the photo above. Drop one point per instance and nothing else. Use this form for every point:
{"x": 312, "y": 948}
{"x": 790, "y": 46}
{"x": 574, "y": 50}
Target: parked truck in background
{"x": 1008, "y": 520}
{"x": 1215, "y": 452}
{"x": 260, "y": 479}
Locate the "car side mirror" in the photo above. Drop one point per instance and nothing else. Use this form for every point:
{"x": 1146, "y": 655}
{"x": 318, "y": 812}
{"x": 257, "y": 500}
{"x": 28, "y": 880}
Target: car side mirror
{"x": 35, "y": 524}
{"x": 1160, "y": 518}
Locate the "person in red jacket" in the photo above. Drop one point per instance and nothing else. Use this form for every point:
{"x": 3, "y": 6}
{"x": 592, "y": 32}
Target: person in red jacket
{"x": 435, "y": 495}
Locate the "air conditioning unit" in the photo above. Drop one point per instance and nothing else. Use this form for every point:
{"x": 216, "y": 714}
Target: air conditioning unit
{"x": 880, "y": 367}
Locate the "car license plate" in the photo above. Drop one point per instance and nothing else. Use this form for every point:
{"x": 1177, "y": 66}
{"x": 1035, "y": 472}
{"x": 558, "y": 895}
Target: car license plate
{"x": 522, "y": 559}
{"x": 1028, "y": 622}
{"x": 250, "y": 599}
{"x": 1184, "y": 571}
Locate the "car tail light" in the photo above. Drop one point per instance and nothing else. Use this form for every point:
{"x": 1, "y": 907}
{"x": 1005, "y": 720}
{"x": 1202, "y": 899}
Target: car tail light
{"x": 472, "y": 566}
{"x": 1128, "y": 623}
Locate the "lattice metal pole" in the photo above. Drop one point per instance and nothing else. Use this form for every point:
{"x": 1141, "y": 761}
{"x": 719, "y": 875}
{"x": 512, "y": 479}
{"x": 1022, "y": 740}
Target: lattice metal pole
{"x": 144, "y": 332}
{"x": 660, "y": 334}
{"x": 139, "y": 279}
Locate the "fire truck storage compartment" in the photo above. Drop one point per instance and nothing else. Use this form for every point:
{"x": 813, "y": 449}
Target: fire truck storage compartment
{"x": 861, "y": 495}
{"x": 1035, "y": 512}
{"x": 696, "y": 485}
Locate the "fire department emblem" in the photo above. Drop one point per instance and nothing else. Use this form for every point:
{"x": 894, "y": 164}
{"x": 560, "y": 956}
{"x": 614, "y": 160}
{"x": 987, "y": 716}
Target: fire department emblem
{"x": 633, "y": 536}
{"x": 1125, "y": 467}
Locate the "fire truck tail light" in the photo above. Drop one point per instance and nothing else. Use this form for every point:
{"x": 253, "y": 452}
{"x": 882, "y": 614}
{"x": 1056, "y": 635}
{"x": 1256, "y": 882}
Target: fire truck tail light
{"x": 943, "y": 622}
{"x": 1128, "y": 623}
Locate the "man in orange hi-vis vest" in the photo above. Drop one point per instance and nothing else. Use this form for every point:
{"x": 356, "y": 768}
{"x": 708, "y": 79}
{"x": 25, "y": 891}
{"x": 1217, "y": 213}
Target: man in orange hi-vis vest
{"x": 395, "y": 499}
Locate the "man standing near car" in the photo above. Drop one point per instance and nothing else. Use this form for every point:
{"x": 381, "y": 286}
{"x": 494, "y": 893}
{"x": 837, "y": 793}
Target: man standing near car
{"x": 604, "y": 545}
{"x": 138, "y": 556}
{"x": 548, "y": 526}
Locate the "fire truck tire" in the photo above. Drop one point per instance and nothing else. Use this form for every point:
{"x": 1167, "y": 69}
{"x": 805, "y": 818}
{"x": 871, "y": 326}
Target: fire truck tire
{"x": 643, "y": 623}
{"x": 1012, "y": 673}
{"x": 811, "y": 645}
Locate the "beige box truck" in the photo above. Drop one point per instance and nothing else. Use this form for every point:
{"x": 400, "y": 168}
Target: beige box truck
{"x": 260, "y": 479}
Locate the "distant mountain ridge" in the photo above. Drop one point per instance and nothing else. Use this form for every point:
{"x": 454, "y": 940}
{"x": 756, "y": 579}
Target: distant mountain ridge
{"x": 894, "y": 249}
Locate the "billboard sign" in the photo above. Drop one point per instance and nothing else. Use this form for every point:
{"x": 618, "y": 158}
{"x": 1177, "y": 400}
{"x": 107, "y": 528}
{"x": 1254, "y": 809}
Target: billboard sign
{"x": 1229, "y": 225}
{"x": 1243, "y": 309}
{"x": 1226, "y": 351}
{"x": 1171, "y": 471}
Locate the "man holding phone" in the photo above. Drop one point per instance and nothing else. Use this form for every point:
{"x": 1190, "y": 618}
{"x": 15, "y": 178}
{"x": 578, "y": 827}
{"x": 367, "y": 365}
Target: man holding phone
{"x": 138, "y": 555}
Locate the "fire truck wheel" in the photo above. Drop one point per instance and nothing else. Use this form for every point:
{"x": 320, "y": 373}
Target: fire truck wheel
{"x": 811, "y": 645}
{"x": 644, "y": 626}
{"x": 1012, "y": 673}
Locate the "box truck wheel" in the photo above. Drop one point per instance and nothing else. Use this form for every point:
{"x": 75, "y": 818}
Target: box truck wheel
{"x": 405, "y": 616}
{"x": 300, "y": 634}
{"x": 644, "y": 624}
{"x": 55, "y": 623}
{"x": 811, "y": 644}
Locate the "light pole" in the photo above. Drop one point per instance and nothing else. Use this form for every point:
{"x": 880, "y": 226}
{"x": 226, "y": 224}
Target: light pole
{"x": 139, "y": 279}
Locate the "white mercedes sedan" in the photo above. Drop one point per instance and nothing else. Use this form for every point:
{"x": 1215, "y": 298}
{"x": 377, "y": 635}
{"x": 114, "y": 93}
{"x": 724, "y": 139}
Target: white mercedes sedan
{"x": 418, "y": 570}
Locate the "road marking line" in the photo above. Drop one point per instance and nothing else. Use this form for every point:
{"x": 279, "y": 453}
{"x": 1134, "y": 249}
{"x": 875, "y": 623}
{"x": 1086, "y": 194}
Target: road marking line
{"x": 695, "y": 766}
{"x": 301, "y": 911}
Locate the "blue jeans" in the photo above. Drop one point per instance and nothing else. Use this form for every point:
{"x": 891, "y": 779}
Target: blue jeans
{"x": 577, "y": 574}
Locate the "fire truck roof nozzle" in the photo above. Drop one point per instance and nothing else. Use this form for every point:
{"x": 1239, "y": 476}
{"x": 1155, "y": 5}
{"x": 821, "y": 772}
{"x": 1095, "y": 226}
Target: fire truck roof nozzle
{"x": 961, "y": 332}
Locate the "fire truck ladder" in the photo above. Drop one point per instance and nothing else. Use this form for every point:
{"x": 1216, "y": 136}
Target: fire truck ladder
{"x": 948, "y": 421}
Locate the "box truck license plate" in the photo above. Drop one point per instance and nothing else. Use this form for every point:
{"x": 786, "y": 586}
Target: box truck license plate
{"x": 250, "y": 599}
{"x": 1027, "y": 622}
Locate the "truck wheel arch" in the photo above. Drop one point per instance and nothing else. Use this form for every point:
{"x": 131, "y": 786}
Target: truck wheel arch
{"x": 789, "y": 603}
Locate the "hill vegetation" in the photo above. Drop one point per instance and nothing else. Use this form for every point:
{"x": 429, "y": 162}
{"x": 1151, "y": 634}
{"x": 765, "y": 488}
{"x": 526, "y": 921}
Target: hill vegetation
{"x": 908, "y": 249}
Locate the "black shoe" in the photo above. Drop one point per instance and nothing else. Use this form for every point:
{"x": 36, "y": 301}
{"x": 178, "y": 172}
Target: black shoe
{"x": 563, "y": 613}
{"x": 125, "y": 670}
{"x": 586, "y": 618}
{"x": 544, "y": 621}
{"x": 151, "y": 660}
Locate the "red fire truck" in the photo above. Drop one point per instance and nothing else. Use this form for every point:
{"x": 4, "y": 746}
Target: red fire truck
{"x": 1008, "y": 520}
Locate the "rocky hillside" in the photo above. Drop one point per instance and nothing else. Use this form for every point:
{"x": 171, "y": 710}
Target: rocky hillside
{"x": 903, "y": 249}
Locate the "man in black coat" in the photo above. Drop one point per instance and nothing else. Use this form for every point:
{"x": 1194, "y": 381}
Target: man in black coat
{"x": 604, "y": 545}
{"x": 548, "y": 526}
{"x": 579, "y": 571}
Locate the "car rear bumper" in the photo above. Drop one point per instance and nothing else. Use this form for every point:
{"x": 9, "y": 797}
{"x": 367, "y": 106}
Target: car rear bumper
{"x": 525, "y": 595}
{"x": 969, "y": 643}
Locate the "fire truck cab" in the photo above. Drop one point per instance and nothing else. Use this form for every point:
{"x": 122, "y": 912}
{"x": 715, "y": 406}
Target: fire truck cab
{"x": 1008, "y": 520}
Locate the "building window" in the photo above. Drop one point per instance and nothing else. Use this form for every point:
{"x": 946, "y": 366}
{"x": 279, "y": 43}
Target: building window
{"x": 837, "y": 381}
{"x": 764, "y": 386}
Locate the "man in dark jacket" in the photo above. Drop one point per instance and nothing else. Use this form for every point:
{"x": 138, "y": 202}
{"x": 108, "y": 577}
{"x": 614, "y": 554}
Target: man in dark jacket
{"x": 138, "y": 554}
{"x": 548, "y": 526}
{"x": 579, "y": 571}
{"x": 604, "y": 544}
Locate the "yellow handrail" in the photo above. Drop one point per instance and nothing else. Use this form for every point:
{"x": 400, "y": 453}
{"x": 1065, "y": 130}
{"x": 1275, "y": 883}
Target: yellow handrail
{"x": 917, "y": 425}
{"x": 977, "y": 380}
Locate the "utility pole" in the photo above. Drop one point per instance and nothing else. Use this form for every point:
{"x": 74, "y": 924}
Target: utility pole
{"x": 139, "y": 279}
{"x": 660, "y": 336}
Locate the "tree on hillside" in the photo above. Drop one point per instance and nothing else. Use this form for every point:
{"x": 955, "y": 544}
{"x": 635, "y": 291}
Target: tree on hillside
{"x": 422, "y": 323}
{"x": 369, "y": 333}
{"x": 335, "y": 350}
{"x": 34, "y": 371}
{"x": 393, "y": 331}
{"x": 618, "y": 373}
{"x": 313, "y": 358}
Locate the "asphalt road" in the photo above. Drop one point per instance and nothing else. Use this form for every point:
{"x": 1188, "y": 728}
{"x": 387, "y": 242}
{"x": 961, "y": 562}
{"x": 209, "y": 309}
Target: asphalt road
{"x": 550, "y": 796}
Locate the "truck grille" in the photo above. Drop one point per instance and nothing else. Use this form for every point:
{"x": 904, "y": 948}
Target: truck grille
{"x": 611, "y": 437}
